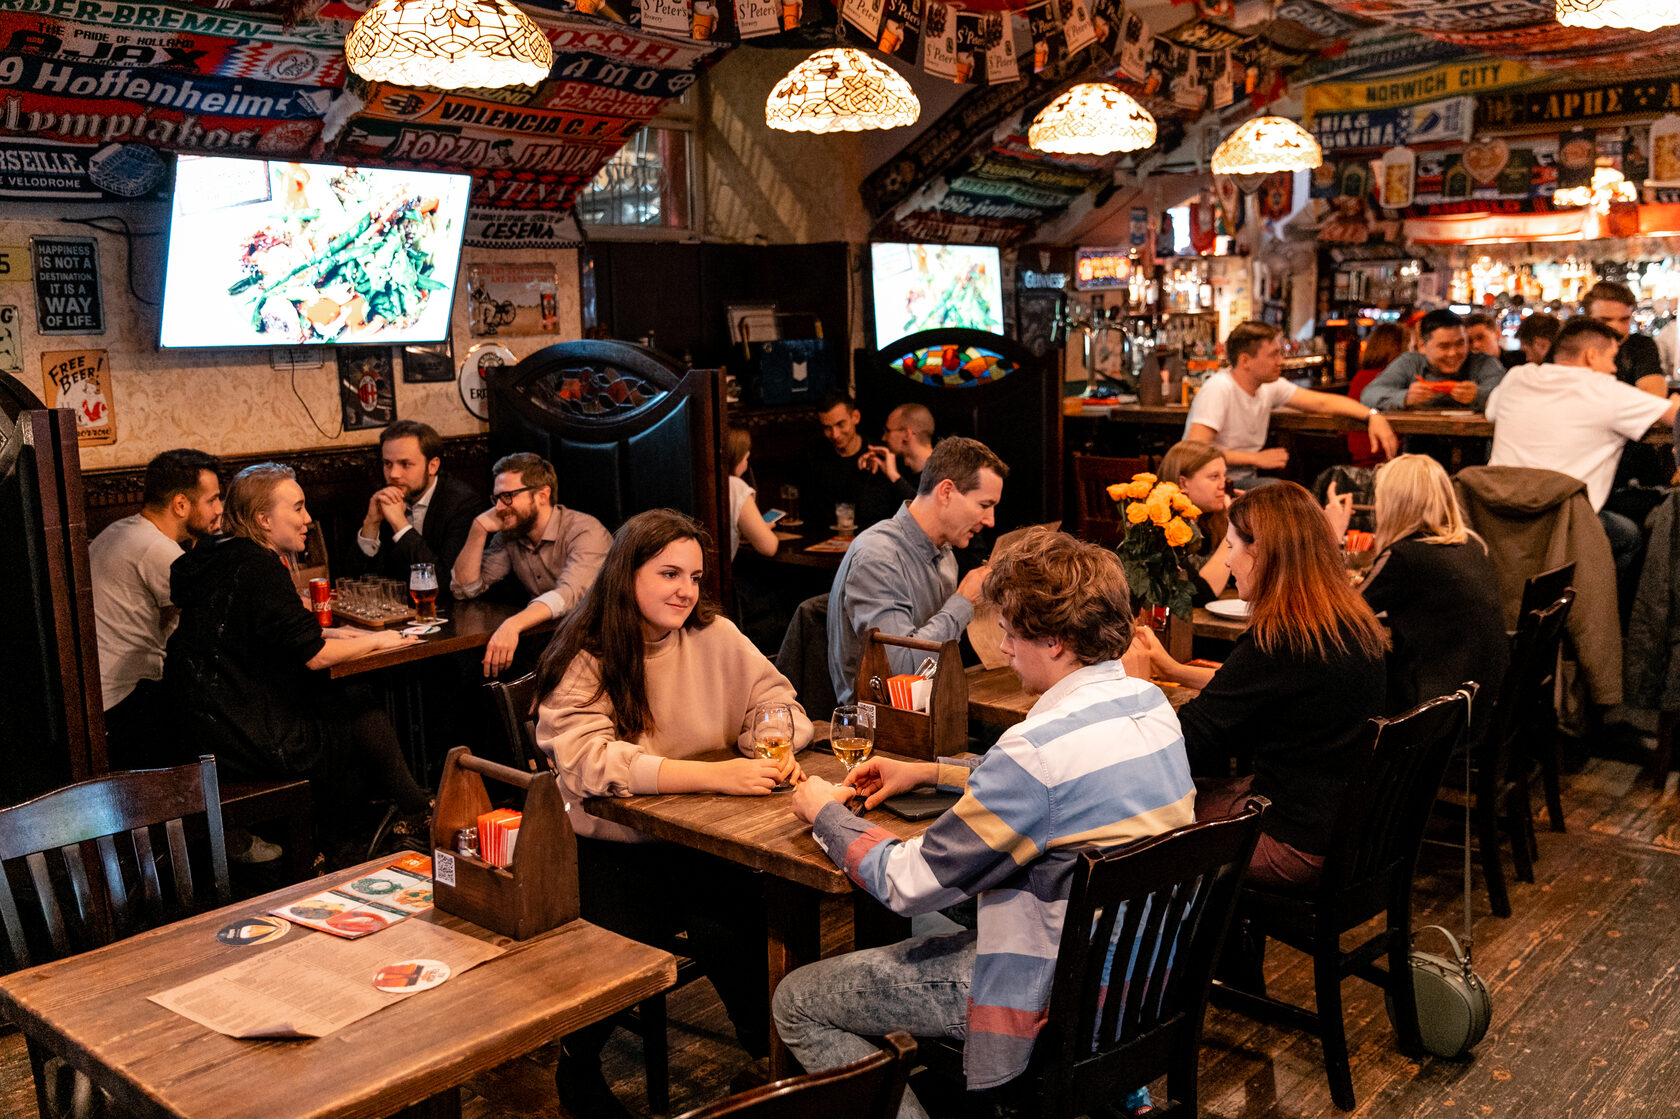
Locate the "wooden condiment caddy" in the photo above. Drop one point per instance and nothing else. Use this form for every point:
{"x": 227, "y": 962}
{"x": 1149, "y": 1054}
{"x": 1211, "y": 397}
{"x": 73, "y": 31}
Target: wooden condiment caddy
{"x": 941, "y": 732}
{"x": 539, "y": 891}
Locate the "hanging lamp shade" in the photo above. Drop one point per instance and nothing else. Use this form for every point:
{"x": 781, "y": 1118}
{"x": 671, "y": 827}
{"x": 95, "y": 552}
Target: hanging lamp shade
{"x": 1640, "y": 15}
{"x": 1092, "y": 118}
{"x": 1267, "y": 144}
{"x": 841, "y": 89}
{"x": 448, "y": 44}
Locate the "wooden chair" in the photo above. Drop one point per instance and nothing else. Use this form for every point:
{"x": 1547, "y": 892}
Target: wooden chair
{"x": 1144, "y": 926}
{"x": 515, "y": 703}
{"x": 1541, "y": 730}
{"x": 1096, "y": 516}
{"x": 866, "y": 1089}
{"x": 1373, "y": 854}
{"x": 93, "y": 852}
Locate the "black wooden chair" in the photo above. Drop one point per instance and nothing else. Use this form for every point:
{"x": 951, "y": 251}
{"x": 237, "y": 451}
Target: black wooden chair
{"x": 1144, "y": 926}
{"x": 515, "y": 704}
{"x": 1373, "y": 855}
{"x": 1540, "y": 734}
{"x": 1096, "y": 516}
{"x": 101, "y": 860}
{"x": 866, "y": 1089}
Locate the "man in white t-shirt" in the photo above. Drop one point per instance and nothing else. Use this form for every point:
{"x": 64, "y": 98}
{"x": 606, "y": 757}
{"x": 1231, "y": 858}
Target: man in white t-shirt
{"x": 132, "y": 611}
{"x": 1572, "y": 415}
{"x": 1234, "y": 408}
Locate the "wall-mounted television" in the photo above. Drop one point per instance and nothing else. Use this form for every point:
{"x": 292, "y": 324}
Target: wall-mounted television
{"x": 277, "y": 253}
{"x": 926, "y": 287}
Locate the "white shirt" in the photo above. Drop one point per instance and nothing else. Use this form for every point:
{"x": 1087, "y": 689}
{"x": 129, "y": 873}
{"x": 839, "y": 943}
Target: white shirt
{"x": 129, "y": 565}
{"x": 1239, "y": 421}
{"x": 1668, "y": 346}
{"x": 739, "y": 491}
{"x": 416, "y": 521}
{"x": 1569, "y": 419}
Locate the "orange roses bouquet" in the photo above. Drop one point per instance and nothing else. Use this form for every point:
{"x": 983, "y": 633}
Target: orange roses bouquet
{"x": 1162, "y": 538}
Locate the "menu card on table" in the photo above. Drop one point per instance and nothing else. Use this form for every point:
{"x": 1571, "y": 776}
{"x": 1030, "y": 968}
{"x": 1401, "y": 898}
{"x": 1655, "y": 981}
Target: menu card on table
{"x": 367, "y": 903}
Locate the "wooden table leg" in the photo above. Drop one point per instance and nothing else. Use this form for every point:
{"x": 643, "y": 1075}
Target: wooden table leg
{"x": 795, "y": 938}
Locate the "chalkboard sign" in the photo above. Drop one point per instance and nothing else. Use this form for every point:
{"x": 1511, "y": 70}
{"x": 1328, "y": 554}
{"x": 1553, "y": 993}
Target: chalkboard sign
{"x": 67, "y": 297}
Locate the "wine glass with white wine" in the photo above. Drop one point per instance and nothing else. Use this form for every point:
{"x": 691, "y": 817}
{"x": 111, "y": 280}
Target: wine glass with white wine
{"x": 772, "y": 725}
{"x": 852, "y": 738}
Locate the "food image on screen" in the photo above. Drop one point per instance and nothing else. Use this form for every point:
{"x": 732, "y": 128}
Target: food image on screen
{"x": 928, "y": 287}
{"x": 271, "y": 253}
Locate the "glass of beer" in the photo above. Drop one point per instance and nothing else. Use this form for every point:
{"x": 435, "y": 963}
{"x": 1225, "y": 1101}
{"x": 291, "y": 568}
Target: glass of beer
{"x": 772, "y": 725}
{"x": 423, "y": 588}
{"x": 852, "y": 738}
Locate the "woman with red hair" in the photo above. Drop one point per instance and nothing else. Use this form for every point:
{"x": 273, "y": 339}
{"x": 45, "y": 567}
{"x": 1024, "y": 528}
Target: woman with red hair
{"x": 1296, "y": 689}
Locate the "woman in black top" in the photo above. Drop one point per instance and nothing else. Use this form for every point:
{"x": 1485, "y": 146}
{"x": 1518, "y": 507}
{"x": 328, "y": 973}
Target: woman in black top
{"x": 1199, "y": 470}
{"x": 244, "y": 667}
{"x": 1296, "y": 691}
{"x": 1433, "y": 583}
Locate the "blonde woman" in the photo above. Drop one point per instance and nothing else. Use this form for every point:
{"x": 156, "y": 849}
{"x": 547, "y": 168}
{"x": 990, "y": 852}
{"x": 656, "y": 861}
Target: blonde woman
{"x": 1433, "y": 584}
{"x": 1199, "y": 470}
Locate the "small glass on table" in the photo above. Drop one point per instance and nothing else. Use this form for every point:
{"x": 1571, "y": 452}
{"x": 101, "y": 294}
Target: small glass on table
{"x": 852, "y": 738}
{"x": 772, "y": 725}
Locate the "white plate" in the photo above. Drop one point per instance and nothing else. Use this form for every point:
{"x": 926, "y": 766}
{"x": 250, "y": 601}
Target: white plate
{"x": 1228, "y": 607}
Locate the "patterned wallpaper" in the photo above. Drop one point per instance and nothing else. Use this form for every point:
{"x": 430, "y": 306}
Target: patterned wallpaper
{"x": 229, "y": 401}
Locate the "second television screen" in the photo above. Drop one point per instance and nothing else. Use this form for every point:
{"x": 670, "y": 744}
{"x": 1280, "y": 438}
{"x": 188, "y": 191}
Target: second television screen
{"x": 929, "y": 287}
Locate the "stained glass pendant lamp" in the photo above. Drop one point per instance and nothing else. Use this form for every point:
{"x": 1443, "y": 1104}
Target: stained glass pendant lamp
{"x": 448, "y": 44}
{"x": 1267, "y": 144}
{"x": 1092, "y": 118}
{"x": 841, "y": 89}
{"x": 1640, "y": 15}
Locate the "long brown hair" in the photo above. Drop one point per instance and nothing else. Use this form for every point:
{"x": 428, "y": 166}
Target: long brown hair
{"x": 1302, "y": 601}
{"x": 1182, "y": 460}
{"x": 608, "y": 624}
{"x": 1386, "y": 342}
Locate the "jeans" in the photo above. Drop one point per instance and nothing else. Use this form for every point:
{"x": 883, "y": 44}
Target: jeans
{"x": 829, "y": 1013}
{"x": 1626, "y": 539}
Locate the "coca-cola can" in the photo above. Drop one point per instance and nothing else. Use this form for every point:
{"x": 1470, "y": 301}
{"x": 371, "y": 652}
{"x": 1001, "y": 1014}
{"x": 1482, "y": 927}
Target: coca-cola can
{"x": 320, "y": 597}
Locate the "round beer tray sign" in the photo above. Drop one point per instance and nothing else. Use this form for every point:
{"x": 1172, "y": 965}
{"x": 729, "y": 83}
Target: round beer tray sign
{"x": 482, "y": 358}
{"x": 253, "y": 930}
{"x": 407, "y": 976}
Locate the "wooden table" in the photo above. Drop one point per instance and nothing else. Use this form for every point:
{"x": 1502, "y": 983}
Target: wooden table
{"x": 763, "y": 833}
{"x": 1208, "y": 624}
{"x": 469, "y": 626}
{"x": 995, "y": 696}
{"x": 792, "y": 551}
{"x": 1453, "y": 422}
{"x": 93, "y": 1010}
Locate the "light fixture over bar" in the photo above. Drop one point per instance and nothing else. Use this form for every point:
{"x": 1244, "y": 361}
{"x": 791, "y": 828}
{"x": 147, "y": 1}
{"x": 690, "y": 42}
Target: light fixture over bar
{"x": 841, "y": 89}
{"x": 1265, "y": 145}
{"x": 1092, "y": 118}
{"x": 448, "y": 44}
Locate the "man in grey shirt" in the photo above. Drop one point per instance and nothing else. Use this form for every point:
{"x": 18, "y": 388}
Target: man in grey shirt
{"x": 1440, "y": 373}
{"x": 900, "y": 575}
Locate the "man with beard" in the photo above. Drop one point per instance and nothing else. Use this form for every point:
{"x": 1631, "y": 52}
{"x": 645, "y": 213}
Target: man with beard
{"x": 133, "y": 613}
{"x": 421, "y": 516}
{"x": 846, "y": 473}
{"x": 553, "y": 551}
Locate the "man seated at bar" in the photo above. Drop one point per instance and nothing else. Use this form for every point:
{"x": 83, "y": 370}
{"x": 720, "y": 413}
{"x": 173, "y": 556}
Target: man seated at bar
{"x": 553, "y": 551}
{"x": 422, "y": 515}
{"x": 1574, "y": 416}
{"x": 133, "y": 615}
{"x": 1234, "y": 408}
{"x": 1440, "y": 373}
{"x": 1638, "y": 361}
{"x": 1099, "y": 759}
{"x": 903, "y": 453}
{"x": 1481, "y": 331}
{"x": 1534, "y": 340}
{"x": 900, "y": 576}
{"x": 841, "y": 475}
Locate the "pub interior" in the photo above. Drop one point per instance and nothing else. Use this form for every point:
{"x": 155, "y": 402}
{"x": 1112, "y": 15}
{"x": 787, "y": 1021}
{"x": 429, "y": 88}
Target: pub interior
{"x": 883, "y": 557}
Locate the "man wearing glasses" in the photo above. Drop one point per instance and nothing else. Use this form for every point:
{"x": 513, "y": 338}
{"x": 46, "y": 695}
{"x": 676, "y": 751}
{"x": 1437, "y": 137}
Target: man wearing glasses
{"x": 555, "y": 552}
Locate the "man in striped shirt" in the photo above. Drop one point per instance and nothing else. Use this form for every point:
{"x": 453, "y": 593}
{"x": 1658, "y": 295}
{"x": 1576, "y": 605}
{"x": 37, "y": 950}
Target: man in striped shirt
{"x": 1098, "y": 759}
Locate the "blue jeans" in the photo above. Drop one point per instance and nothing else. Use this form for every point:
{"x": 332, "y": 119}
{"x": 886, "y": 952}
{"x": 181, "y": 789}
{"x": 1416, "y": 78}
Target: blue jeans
{"x": 1626, "y": 539}
{"x": 829, "y": 1013}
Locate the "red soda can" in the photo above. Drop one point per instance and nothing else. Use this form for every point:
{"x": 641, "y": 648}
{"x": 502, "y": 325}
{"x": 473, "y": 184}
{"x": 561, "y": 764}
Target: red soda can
{"x": 320, "y": 596}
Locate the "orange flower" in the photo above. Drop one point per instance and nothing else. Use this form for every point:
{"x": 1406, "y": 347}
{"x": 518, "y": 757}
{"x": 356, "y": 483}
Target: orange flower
{"x": 1137, "y": 512}
{"x": 1167, "y": 488}
{"x": 1159, "y": 512}
{"x": 1137, "y": 490}
{"x": 1192, "y": 513}
{"x": 1178, "y": 533}
{"x": 1118, "y": 490}
{"x": 1180, "y": 503}
{"x": 1146, "y": 479}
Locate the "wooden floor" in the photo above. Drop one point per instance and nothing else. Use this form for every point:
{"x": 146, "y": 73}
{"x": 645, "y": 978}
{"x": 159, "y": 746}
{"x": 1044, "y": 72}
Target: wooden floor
{"x": 1585, "y": 981}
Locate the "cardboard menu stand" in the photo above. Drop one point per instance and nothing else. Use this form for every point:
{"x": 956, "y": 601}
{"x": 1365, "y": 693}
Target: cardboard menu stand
{"x": 538, "y": 891}
{"x": 939, "y": 733}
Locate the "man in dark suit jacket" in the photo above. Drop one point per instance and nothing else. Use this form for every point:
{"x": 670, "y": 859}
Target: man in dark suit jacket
{"x": 421, "y": 516}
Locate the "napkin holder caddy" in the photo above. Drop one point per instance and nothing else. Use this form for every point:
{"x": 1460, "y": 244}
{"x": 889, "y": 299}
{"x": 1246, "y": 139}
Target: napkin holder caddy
{"x": 943, "y": 729}
{"x": 538, "y": 891}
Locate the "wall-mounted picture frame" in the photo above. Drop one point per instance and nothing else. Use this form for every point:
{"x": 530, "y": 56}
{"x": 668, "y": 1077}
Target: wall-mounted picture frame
{"x": 429, "y": 363}
{"x": 752, "y": 322}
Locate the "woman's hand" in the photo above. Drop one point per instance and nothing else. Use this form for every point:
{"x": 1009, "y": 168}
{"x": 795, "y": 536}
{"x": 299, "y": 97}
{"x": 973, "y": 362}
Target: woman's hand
{"x": 1338, "y": 510}
{"x": 879, "y": 778}
{"x": 813, "y": 794}
{"x": 392, "y": 639}
{"x": 1150, "y": 653}
{"x": 744, "y": 777}
{"x": 788, "y": 771}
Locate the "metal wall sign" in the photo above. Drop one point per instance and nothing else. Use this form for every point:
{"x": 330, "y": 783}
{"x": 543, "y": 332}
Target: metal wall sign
{"x": 67, "y": 296}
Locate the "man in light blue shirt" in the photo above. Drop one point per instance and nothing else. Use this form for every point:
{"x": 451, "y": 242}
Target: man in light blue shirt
{"x": 900, "y": 575}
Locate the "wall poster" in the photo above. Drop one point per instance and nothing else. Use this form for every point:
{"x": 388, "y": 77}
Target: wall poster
{"x": 80, "y": 380}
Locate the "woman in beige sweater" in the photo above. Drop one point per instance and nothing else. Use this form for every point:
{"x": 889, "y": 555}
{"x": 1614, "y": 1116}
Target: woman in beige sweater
{"x": 642, "y": 679}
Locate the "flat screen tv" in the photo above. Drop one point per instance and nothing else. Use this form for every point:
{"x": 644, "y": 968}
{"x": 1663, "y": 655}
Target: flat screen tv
{"x": 276, "y": 253}
{"x": 926, "y": 287}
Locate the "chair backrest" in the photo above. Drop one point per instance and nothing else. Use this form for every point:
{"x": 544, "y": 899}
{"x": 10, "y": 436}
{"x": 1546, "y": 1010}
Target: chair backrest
{"x": 1097, "y": 516}
{"x": 866, "y": 1089}
{"x": 1534, "y": 655}
{"x": 1144, "y": 926}
{"x": 1391, "y": 788}
{"x": 516, "y": 713}
{"x": 1541, "y": 590}
{"x": 93, "y": 844}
